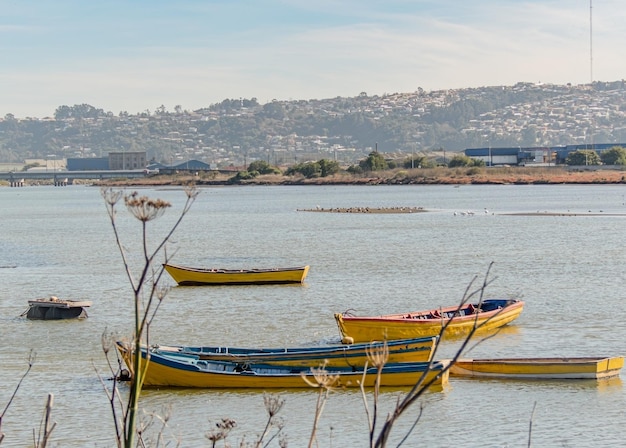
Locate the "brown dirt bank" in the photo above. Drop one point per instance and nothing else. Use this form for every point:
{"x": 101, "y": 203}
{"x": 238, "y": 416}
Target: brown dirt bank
{"x": 434, "y": 176}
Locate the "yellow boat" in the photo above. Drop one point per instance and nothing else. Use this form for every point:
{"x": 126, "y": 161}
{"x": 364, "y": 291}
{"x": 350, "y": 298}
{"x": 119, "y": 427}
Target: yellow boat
{"x": 401, "y": 350}
{"x": 180, "y": 370}
{"x": 188, "y": 276}
{"x": 489, "y": 314}
{"x": 539, "y": 368}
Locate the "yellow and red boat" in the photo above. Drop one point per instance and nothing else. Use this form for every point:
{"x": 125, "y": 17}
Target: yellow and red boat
{"x": 540, "y": 368}
{"x": 182, "y": 370}
{"x": 188, "y": 276}
{"x": 486, "y": 315}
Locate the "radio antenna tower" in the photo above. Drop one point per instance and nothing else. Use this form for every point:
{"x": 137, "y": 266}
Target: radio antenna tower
{"x": 591, "y": 40}
{"x": 591, "y": 69}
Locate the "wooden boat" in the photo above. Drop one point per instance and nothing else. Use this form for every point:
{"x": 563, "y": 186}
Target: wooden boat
{"x": 181, "y": 370}
{"x": 187, "y": 276}
{"x": 54, "y": 308}
{"x": 489, "y": 314}
{"x": 539, "y": 368}
{"x": 401, "y": 350}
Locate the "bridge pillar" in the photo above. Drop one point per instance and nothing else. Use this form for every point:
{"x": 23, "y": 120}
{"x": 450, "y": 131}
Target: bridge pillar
{"x": 16, "y": 182}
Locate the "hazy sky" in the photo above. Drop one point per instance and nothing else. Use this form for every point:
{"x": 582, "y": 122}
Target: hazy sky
{"x": 137, "y": 55}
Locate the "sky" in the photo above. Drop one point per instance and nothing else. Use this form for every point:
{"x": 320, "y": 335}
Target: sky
{"x": 137, "y": 55}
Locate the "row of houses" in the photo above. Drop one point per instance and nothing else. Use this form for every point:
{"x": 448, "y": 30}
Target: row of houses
{"x": 554, "y": 155}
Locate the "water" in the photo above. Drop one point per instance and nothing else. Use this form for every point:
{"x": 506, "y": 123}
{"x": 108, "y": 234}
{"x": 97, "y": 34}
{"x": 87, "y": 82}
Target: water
{"x": 568, "y": 269}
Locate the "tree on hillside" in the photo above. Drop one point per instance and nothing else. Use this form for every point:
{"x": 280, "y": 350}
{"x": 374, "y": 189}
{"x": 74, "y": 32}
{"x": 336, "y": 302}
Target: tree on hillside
{"x": 78, "y": 111}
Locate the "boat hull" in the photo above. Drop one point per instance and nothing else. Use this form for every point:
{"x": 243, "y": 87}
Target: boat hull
{"x": 406, "y": 350}
{"x": 423, "y": 324}
{"x": 539, "y": 368}
{"x": 188, "y": 371}
{"x": 188, "y": 276}
{"x": 56, "y": 309}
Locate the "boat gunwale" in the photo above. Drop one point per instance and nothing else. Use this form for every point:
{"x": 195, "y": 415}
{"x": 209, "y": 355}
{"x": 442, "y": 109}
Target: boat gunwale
{"x": 236, "y": 271}
{"x": 547, "y": 368}
{"x": 576, "y": 360}
{"x": 297, "y": 350}
{"x": 405, "y": 350}
{"x": 191, "y": 364}
{"x": 408, "y": 317}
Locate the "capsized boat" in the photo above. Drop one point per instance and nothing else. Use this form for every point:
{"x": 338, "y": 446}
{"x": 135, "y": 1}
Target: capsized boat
{"x": 401, "y": 350}
{"x": 53, "y": 308}
{"x": 539, "y": 368}
{"x": 188, "y": 276}
{"x": 182, "y": 370}
{"x": 489, "y": 314}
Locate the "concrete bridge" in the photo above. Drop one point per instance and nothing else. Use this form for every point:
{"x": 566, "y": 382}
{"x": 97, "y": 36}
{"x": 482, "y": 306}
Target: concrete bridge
{"x": 62, "y": 178}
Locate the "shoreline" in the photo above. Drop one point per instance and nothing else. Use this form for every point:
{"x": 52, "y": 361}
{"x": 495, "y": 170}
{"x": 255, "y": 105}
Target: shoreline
{"x": 434, "y": 176}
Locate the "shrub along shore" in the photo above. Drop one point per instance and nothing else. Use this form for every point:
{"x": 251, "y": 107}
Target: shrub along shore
{"x": 417, "y": 176}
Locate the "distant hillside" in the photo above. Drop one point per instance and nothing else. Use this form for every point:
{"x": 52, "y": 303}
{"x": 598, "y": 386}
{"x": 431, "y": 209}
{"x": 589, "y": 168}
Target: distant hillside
{"x": 238, "y": 131}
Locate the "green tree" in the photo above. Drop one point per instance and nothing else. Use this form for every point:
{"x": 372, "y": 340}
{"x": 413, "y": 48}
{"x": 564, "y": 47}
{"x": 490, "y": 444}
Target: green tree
{"x": 374, "y": 162}
{"x": 321, "y": 168}
{"x": 614, "y": 156}
{"x": 418, "y": 162}
{"x": 262, "y": 167}
{"x": 328, "y": 167}
{"x": 583, "y": 157}
{"x": 307, "y": 169}
{"x": 461, "y": 160}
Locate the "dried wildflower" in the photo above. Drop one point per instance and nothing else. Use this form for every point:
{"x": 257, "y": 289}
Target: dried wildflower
{"x": 273, "y": 404}
{"x": 321, "y": 378}
{"x": 162, "y": 291}
{"x": 111, "y": 197}
{"x": 378, "y": 355}
{"x": 221, "y": 430}
{"x": 143, "y": 208}
{"x": 191, "y": 191}
{"x": 107, "y": 341}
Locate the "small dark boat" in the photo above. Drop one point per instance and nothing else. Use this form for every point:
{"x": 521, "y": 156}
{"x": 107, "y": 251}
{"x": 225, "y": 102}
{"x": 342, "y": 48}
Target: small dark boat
{"x": 55, "y": 308}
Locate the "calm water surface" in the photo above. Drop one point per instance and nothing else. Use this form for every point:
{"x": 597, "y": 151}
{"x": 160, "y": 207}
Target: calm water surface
{"x": 568, "y": 269}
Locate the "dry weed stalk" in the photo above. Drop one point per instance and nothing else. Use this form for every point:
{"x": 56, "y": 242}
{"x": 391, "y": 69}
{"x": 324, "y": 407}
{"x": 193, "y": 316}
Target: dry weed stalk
{"x": 326, "y": 383}
{"x": 147, "y": 297}
{"x": 31, "y": 362}
{"x": 273, "y": 405}
{"x": 221, "y": 431}
{"x": 530, "y": 424}
{"x": 48, "y": 426}
{"x": 422, "y": 386}
{"x": 378, "y": 357}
